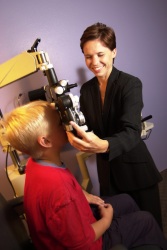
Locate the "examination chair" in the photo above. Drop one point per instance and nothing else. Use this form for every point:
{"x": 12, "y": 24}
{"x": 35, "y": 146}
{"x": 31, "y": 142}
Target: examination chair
{"x": 13, "y": 232}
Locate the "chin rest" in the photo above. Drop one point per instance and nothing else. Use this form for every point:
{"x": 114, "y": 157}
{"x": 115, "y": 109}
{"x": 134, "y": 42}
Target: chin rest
{"x": 13, "y": 232}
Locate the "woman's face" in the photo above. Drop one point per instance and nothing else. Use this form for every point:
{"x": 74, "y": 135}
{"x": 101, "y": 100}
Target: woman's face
{"x": 99, "y": 58}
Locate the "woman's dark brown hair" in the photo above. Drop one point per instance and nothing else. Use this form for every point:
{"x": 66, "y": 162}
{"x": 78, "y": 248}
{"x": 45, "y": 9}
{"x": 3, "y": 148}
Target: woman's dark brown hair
{"x": 99, "y": 31}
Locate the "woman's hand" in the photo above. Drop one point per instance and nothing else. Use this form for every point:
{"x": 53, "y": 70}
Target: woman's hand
{"x": 87, "y": 141}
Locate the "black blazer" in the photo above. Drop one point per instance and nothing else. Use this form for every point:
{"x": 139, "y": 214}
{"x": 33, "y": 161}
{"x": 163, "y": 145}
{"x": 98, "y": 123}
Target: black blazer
{"x": 119, "y": 121}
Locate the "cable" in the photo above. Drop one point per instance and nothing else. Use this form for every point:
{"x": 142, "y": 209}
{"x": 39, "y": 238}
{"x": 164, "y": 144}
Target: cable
{"x": 7, "y": 153}
{"x": 6, "y": 165}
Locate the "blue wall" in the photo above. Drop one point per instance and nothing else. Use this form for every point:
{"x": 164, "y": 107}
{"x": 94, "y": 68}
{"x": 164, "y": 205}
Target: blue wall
{"x": 141, "y": 43}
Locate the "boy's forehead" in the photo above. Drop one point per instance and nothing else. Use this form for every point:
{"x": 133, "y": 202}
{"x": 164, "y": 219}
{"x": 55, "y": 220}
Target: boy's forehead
{"x": 56, "y": 117}
{"x": 52, "y": 104}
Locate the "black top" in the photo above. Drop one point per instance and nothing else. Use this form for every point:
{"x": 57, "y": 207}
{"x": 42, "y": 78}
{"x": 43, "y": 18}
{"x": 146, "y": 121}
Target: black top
{"x": 119, "y": 122}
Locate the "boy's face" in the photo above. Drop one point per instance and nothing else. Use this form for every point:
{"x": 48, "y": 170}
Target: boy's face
{"x": 59, "y": 136}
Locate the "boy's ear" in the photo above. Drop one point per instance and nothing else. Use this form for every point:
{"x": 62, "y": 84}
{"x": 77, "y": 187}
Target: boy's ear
{"x": 44, "y": 142}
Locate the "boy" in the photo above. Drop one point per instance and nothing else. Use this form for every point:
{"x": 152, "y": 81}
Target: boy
{"x": 57, "y": 209}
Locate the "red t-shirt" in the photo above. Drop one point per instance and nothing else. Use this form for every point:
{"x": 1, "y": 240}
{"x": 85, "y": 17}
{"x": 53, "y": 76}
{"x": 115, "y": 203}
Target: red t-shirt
{"x": 58, "y": 214}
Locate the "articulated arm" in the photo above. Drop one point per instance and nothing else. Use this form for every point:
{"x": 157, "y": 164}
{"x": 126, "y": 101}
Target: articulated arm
{"x": 23, "y": 65}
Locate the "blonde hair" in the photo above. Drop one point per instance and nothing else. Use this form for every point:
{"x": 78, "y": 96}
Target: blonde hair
{"x": 25, "y": 124}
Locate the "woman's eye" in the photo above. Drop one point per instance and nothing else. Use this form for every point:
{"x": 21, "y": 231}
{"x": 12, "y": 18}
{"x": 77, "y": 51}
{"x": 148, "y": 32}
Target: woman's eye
{"x": 87, "y": 57}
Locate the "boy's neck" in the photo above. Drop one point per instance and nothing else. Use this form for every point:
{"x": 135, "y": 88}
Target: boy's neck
{"x": 52, "y": 156}
{"x": 57, "y": 162}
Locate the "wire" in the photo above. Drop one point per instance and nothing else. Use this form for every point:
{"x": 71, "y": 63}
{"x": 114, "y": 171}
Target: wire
{"x": 6, "y": 166}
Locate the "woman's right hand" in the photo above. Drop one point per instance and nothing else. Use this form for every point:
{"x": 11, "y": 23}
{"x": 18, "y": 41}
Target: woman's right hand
{"x": 87, "y": 141}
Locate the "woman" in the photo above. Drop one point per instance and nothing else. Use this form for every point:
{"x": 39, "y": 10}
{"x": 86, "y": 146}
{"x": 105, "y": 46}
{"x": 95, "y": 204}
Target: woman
{"x": 112, "y": 103}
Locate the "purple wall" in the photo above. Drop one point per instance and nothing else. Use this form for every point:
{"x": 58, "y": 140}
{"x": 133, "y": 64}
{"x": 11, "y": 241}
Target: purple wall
{"x": 141, "y": 42}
